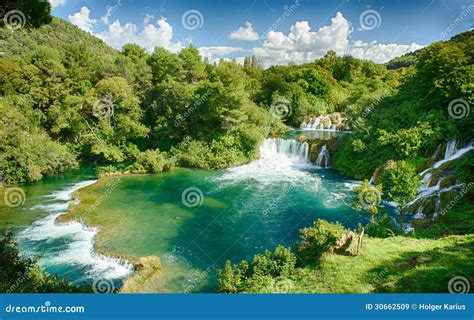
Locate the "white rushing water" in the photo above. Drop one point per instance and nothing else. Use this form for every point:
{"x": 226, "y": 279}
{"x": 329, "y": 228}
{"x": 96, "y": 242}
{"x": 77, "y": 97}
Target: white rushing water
{"x": 323, "y": 158}
{"x": 319, "y": 123}
{"x": 295, "y": 151}
{"x": 280, "y": 160}
{"x": 427, "y": 192}
{"x": 450, "y": 154}
{"x": 70, "y": 244}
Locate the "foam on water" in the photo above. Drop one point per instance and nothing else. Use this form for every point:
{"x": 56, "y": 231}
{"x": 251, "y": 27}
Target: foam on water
{"x": 280, "y": 160}
{"x": 68, "y": 244}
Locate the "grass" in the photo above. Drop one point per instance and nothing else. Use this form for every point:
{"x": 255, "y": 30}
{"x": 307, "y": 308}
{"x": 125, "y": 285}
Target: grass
{"x": 396, "y": 264}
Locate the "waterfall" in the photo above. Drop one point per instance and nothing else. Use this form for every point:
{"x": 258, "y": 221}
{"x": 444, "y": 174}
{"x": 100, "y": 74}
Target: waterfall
{"x": 323, "y": 157}
{"x": 426, "y": 193}
{"x": 69, "y": 245}
{"x": 280, "y": 160}
{"x": 297, "y": 152}
{"x": 450, "y": 149}
{"x": 450, "y": 154}
{"x": 319, "y": 123}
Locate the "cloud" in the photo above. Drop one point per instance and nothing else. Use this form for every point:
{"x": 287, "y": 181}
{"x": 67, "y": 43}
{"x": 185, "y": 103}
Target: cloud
{"x": 215, "y": 53}
{"x": 159, "y": 35}
{"x": 379, "y": 52}
{"x": 82, "y": 20}
{"x": 56, "y": 3}
{"x": 246, "y": 33}
{"x": 110, "y": 11}
{"x": 303, "y": 45}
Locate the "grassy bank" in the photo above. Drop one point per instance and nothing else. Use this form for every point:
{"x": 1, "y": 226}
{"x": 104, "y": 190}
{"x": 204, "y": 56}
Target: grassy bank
{"x": 391, "y": 265}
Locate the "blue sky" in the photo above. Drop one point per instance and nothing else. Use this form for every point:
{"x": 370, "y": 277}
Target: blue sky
{"x": 278, "y": 32}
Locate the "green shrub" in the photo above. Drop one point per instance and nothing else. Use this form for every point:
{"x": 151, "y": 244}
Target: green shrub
{"x": 382, "y": 228}
{"x": 263, "y": 274}
{"x": 319, "y": 238}
{"x": 20, "y": 275}
{"x": 150, "y": 161}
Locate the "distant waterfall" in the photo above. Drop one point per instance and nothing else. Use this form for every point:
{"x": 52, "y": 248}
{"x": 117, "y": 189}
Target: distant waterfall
{"x": 318, "y": 123}
{"x": 323, "y": 157}
{"x": 294, "y": 150}
{"x": 322, "y": 123}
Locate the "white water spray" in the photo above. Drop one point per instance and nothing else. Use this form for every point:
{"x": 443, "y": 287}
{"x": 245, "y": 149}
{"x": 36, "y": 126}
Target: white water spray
{"x": 69, "y": 243}
{"x": 323, "y": 158}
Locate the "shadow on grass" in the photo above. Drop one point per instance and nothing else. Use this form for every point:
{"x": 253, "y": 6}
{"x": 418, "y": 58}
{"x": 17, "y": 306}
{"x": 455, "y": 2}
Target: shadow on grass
{"x": 425, "y": 272}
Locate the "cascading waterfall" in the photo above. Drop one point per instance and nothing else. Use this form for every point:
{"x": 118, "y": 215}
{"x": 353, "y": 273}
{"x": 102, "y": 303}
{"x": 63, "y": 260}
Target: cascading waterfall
{"x": 69, "y": 244}
{"x": 319, "y": 123}
{"x": 297, "y": 152}
{"x": 323, "y": 157}
{"x": 429, "y": 193}
{"x": 280, "y": 160}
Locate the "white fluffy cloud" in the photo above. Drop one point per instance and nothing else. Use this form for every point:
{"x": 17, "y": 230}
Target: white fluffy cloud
{"x": 116, "y": 35}
{"x": 379, "y": 52}
{"x": 302, "y": 44}
{"x": 299, "y": 45}
{"x": 83, "y": 20}
{"x": 159, "y": 35}
{"x": 246, "y": 33}
{"x": 215, "y": 53}
{"x": 56, "y": 3}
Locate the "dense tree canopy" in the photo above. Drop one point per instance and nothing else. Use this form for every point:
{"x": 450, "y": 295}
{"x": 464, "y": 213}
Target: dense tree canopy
{"x": 83, "y": 101}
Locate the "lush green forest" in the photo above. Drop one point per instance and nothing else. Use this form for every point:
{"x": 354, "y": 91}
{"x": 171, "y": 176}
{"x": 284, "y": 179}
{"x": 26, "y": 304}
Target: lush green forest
{"x": 80, "y": 100}
{"x": 67, "y": 98}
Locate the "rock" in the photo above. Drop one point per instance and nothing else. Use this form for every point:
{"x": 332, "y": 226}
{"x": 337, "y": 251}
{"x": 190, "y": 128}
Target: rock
{"x": 303, "y": 138}
{"x": 347, "y": 244}
{"x": 336, "y": 118}
{"x": 448, "y": 180}
{"x": 326, "y": 122}
{"x": 382, "y": 170}
{"x": 314, "y": 151}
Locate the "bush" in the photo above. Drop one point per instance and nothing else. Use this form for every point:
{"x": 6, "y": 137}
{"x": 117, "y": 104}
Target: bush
{"x": 27, "y": 153}
{"x": 150, "y": 161}
{"x": 261, "y": 275}
{"x": 25, "y": 276}
{"x": 319, "y": 238}
{"x": 382, "y": 228}
{"x": 193, "y": 154}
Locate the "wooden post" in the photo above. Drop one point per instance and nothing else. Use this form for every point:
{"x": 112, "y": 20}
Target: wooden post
{"x": 359, "y": 243}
